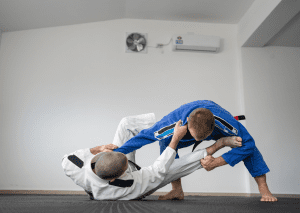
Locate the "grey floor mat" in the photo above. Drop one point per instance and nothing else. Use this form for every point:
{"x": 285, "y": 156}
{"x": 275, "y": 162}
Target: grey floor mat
{"x": 191, "y": 204}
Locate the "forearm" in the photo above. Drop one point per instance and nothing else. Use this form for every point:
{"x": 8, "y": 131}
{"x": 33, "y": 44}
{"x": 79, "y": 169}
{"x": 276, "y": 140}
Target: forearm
{"x": 218, "y": 162}
{"x": 174, "y": 142}
{"x": 179, "y": 133}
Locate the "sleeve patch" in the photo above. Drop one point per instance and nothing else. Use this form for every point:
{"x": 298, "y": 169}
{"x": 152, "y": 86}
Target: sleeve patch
{"x": 226, "y": 125}
{"x": 165, "y": 132}
{"x": 77, "y": 161}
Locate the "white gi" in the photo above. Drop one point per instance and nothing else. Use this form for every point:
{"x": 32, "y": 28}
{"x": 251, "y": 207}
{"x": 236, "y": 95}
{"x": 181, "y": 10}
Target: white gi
{"x": 146, "y": 180}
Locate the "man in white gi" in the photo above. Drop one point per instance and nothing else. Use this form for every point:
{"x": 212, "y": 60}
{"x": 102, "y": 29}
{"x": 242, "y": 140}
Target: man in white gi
{"x": 107, "y": 175}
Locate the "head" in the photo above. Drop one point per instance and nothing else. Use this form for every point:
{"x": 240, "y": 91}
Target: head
{"x": 201, "y": 123}
{"x": 111, "y": 165}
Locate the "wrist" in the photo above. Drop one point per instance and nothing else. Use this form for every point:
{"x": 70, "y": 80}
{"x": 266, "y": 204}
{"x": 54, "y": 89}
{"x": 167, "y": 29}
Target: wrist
{"x": 174, "y": 142}
{"x": 218, "y": 162}
{"x": 213, "y": 164}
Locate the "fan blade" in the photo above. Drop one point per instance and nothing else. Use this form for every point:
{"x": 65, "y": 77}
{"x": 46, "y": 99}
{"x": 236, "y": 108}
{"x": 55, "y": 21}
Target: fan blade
{"x": 129, "y": 40}
{"x": 141, "y": 41}
{"x": 132, "y": 47}
{"x": 139, "y": 47}
{"x": 136, "y": 36}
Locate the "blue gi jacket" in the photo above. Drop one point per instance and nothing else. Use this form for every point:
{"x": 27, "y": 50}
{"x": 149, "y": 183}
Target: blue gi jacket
{"x": 225, "y": 125}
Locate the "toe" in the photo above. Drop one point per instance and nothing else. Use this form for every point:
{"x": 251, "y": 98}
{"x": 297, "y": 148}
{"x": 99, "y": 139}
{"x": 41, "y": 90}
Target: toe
{"x": 274, "y": 199}
{"x": 239, "y": 139}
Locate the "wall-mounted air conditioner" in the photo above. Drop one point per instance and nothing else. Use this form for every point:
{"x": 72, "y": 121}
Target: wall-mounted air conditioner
{"x": 192, "y": 42}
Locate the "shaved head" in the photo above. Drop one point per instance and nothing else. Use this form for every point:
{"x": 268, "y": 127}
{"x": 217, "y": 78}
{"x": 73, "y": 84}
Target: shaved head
{"x": 110, "y": 165}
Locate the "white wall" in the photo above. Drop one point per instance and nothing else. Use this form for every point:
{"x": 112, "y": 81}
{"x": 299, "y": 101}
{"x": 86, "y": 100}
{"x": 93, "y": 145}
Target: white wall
{"x": 271, "y": 87}
{"x": 67, "y": 88}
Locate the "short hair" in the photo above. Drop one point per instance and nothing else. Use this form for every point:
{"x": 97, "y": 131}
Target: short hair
{"x": 202, "y": 121}
{"x": 111, "y": 165}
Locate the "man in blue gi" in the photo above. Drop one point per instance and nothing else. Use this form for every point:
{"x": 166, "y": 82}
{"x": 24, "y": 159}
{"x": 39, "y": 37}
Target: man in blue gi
{"x": 206, "y": 120}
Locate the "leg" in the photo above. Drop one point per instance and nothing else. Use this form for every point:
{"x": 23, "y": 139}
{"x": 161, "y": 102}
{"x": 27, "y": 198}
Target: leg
{"x": 222, "y": 142}
{"x": 131, "y": 126}
{"x": 177, "y": 193}
{"x": 266, "y": 195}
{"x": 180, "y": 168}
{"x": 258, "y": 169}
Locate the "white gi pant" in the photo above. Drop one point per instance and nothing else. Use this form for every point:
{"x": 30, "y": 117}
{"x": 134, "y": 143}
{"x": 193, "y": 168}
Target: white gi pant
{"x": 132, "y": 125}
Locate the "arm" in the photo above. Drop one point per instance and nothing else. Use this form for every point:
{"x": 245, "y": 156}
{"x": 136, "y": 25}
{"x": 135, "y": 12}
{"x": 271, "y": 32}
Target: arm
{"x": 179, "y": 133}
{"x": 233, "y": 156}
{"x": 144, "y": 137}
{"x": 238, "y": 154}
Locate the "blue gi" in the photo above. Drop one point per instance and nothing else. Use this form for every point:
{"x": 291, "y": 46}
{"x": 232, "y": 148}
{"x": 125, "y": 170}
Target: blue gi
{"x": 225, "y": 125}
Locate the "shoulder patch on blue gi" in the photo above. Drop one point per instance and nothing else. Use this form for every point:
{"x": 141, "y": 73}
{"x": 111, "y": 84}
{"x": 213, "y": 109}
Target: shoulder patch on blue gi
{"x": 226, "y": 125}
{"x": 121, "y": 183}
{"x": 165, "y": 132}
{"x": 76, "y": 160}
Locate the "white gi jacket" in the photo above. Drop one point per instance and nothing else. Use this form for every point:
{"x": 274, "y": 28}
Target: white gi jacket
{"x": 145, "y": 179}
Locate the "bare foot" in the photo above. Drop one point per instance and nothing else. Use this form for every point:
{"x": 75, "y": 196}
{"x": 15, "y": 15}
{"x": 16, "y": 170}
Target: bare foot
{"x": 172, "y": 195}
{"x": 268, "y": 198}
{"x": 233, "y": 141}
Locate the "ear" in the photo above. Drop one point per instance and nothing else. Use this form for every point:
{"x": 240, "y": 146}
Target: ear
{"x": 187, "y": 118}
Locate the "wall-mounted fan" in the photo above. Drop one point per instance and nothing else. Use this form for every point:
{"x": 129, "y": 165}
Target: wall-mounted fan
{"x": 136, "y": 42}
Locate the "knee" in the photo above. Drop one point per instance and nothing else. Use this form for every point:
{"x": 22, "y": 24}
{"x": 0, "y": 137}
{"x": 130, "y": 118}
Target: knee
{"x": 124, "y": 122}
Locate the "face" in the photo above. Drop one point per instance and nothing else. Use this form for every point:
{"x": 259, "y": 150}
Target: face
{"x": 192, "y": 131}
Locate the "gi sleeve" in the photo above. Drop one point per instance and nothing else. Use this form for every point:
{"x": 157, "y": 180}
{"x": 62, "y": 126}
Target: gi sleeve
{"x": 161, "y": 130}
{"x": 143, "y": 138}
{"x": 73, "y": 165}
{"x": 235, "y": 155}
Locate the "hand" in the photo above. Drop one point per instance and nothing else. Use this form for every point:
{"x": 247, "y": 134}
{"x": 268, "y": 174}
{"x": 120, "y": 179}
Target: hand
{"x": 179, "y": 131}
{"x": 111, "y": 146}
{"x": 207, "y": 162}
{"x": 108, "y": 148}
